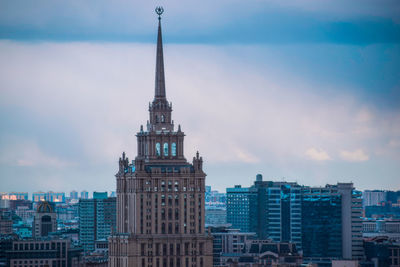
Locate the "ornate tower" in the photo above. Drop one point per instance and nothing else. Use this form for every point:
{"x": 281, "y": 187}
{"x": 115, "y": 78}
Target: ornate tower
{"x": 45, "y": 220}
{"x": 160, "y": 196}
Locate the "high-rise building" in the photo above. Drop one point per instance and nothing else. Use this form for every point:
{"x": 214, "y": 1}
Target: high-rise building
{"x": 45, "y": 220}
{"x": 84, "y": 194}
{"x": 331, "y": 221}
{"x": 73, "y": 195}
{"x": 39, "y": 196}
{"x": 271, "y": 209}
{"x": 14, "y": 196}
{"x": 241, "y": 208}
{"x": 160, "y": 195}
{"x": 322, "y": 223}
{"x": 373, "y": 197}
{"x": 97, "y": 219}
{"x": 56, "y": 197}
{"x": 278, "y": 211}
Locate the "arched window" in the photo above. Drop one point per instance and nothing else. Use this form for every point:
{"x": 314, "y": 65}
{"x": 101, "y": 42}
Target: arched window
{"x": 158, "y": 149}
{"x": 165, "y": 149}
{"x": 173, "y": 149}
{"x": 162, "y": 118}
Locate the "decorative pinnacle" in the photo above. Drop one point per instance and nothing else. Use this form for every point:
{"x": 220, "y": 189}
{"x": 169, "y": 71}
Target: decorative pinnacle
{"x": 159, "y": 11}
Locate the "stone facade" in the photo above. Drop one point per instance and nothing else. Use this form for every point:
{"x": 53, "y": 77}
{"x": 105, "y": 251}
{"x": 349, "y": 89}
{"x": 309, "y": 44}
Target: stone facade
{"x": 160, "y": 195}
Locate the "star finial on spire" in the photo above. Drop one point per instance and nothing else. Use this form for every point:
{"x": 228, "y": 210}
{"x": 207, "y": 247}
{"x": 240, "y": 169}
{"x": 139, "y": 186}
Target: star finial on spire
{"x": 159, "y": 11}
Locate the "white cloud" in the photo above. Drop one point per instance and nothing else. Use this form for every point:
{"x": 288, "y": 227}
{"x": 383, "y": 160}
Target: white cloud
{"x": 354, "y": 156}
{"x": 317, "y": 154}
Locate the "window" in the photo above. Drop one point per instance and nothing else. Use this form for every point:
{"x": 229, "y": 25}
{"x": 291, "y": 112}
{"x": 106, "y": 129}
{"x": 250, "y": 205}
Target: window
{"x": 162, "y": 118}
{"x": 158, "y": 149}
{"x": 173, "y": 149}
{"x": 165, "y": 149}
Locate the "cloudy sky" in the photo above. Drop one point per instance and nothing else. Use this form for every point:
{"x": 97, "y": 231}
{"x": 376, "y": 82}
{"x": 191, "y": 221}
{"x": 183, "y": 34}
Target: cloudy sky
{"x": 303, "y": 90}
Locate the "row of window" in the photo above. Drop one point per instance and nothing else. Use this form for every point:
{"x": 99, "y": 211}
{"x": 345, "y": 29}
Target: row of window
{"x": 165, "y": 149}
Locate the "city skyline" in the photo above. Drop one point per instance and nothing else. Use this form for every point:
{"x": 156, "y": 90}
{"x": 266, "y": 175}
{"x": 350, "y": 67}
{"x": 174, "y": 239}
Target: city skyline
{"x": 313, "y": 108}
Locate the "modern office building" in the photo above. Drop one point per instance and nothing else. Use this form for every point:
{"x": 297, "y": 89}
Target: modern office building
{"x": 331, "y": 222}
{"x": 242, "y": 208}
{"x": 271, "y": 209}
{"x": 322, "y": 223}
{"x": 160, "y": 194}
{"x": 97, "y": 219}
{"x": 278, "y": 211}
{"x": 45, "y": 220}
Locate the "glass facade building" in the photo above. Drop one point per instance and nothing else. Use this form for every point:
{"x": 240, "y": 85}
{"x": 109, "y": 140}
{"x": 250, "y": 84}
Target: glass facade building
{"x": 97, "y": 219}
{"x": 241, "y": 208}
{"x": 322, "y": 223}
{"x": 271, "y": 209}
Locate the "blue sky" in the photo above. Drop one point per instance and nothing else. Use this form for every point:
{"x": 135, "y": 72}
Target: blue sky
{"x": 303, "y": 90}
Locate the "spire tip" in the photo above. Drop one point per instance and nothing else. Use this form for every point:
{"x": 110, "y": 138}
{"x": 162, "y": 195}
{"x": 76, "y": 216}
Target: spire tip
{"x": 159, "y": 11}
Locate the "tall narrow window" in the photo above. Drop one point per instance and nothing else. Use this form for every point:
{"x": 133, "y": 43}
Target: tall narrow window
{"x": 162, "y": 118}
{"x": 158, "y": 149}
{"x": 173, "y": 149}
{"x": 165, "y": 149}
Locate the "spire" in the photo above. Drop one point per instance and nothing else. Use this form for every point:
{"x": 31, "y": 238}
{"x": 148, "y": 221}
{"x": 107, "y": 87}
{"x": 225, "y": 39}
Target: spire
{"x": 160, "y": 79}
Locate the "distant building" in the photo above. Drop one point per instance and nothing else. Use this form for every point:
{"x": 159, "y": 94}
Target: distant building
{"x": 25, "y": 213}
{"x": 215, "y": 216}
{"x": 56, "y": 197}
{"x": 39, "y": 196}
{"x": 97, "y": 219}
{"x": 385, "y": 211}
{"x": 382, "y": 251}
{"x": 84, "y": 194}
{"x": 382, "y": 227}
{"x": 227, "y": 241}
{"x": 248, "y": 252}
{"x": 5, "y": 223}
{"x": 271, "y": 209}
{"x": 331, "y": 222}
{"x": 42, "y": 252}
{"x": 15, "y": 204}
{"x": 45, "y": 220}
{"x": 73, "y": 195}
{"x": 373, "y": 197}
{"x": 241, "y": 208}
{"x": 214, "y": 199}
{"x": 15, "y": 196}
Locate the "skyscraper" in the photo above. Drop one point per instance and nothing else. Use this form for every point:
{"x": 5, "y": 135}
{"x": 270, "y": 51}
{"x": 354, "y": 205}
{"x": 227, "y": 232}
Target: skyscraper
{"x": 97, "y": 219}
{"x": 241, "y": 208}
{"x": 160, "y": 195}
{"x": 270, "y": 209}
{"x": 331, "y": 220}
